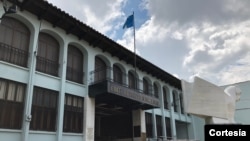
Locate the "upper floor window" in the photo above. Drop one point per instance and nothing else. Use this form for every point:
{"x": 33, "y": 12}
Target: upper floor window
{"x": 100, "y": 69}
{"x": 11, "y": 104}
{"x": 73, "y": 114}
{"x": 44, "y": 109}
{"x": 132, "y": 81}
{"x": 156, "y": 91}
{"x": 117, "y": 74}
{"x": 48, "y": 55}
{"x": 74, "y": 65}
{"x": 181, "y": 104}
{"x": 175, "y": 101}
{"x": 145, "y": 86}
{"x": 14, "y": 42}
{"x": 165, "y": 99}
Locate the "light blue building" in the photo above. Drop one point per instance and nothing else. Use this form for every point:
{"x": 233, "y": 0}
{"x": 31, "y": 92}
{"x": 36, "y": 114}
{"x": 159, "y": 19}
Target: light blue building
{"x": 61, "y": 80}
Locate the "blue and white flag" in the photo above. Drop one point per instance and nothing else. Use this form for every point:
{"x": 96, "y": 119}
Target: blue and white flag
{"x": 129, "y": 22}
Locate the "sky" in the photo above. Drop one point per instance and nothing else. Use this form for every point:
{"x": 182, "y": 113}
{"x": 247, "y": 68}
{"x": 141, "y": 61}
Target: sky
{"x": 186, "y": 38}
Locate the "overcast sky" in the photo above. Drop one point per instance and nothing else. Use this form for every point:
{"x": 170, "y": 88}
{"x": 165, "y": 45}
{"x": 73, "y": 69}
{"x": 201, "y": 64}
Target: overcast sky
{"x": 186, "y": 38}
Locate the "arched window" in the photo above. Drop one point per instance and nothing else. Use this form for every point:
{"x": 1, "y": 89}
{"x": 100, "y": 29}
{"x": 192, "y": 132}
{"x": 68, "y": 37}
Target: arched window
{"x": 14, "y": 42}
{"x": 131, "y": 81}
{"x": 181, "y": 103}
{"x": 156, "y": 91}
{"x": 74, "y": 65}
{"x": 100, "y": 69}
{"x": 145, "y": 86}
{"x": 175, "y": 101}
{"x": 48, "y": 55}
{"x": 165, "y": 99}
{"x": 117, "y": 74}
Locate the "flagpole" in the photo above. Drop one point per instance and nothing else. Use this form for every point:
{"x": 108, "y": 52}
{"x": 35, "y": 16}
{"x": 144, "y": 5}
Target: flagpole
{"x": 134, "y": 43}
{"x": 134, "y": 68}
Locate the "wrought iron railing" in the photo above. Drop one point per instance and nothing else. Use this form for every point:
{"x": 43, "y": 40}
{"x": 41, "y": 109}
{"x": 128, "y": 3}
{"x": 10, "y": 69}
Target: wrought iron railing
{"x": 13, "y": 55}
{"x": 166, "y": 106}
{"x": 74, "y": 75}
{"x": 104, "y": 74}
{"x": 47, "y": 66}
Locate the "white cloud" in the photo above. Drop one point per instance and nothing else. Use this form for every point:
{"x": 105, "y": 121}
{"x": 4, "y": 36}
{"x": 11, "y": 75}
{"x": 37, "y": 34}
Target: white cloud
{"x": 98, "y": 14}
{"x": 213, "y": 39}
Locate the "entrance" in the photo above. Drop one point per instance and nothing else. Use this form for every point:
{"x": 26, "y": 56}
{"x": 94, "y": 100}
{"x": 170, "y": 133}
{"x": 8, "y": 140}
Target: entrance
{"x": 112, "y": 123}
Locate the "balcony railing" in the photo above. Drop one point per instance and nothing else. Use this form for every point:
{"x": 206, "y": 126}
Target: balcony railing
{"x": 104, "y": 74}
{"x": 13, "y": 55}
{"x": 47, "y": 66}
{"x": 74, "y": 75}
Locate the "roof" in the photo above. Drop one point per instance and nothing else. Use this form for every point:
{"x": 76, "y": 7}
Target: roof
{"x": 58, "y": 18}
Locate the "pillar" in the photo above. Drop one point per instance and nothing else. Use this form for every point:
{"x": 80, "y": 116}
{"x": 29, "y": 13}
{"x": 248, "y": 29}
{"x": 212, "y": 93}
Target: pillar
{"x": 164, "y": 134}
{"x": 139, "y": 125}
{"x": 172, "y": 114}
{"x": 154, "y": 124}
{"x": 30, "y": 85}
{"x": 89, "y": 118}
{"x": 89, "y": 103}
{"x": 63, "y": 57}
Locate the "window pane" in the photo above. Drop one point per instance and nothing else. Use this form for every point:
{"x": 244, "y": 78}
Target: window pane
{"x": 69, "y": 100}
{"x": 46, "y": 99}
{"x": 10, "y": 111}
{"x": 73, "y": 114}
{"x": 3, "y": 85}
{"x": 80, "y": 103}
{"x": 11, "y": 92}
{"x": 75, "y": 102}
{"x": 45, "y": 115}
{"x": 53, "y": 101}
{"x": 15, "y": 37}
{"x": 20, "y": 93}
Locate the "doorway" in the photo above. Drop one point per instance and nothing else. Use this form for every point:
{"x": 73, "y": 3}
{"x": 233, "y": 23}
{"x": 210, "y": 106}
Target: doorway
{"x": 112, "y": 123}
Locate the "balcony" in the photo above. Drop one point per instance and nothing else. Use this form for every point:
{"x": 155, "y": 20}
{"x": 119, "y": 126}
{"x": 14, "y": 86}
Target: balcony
{"x": 13, "y": 55}
{"x": 74, "y": 75}
{"x": 116, "y": 92}
{"x": 47, "y": 66}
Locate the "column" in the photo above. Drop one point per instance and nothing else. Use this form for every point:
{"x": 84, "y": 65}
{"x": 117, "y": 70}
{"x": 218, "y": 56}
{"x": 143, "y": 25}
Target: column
{"x": 89, "y": 103}
{"x": 89, "y": 118}
{"x": 179, "y": 103}
{"x": 154, "y": 124}
{"x": 139, "y": 125}
{"x": 30, "y": 85}
{"x": 163, "y": 115}
{"x": 63, "y": 57}
{"x": 172, "y": 114}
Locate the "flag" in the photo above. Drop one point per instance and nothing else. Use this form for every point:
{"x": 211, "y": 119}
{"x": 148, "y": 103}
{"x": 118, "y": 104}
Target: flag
{"x": 129, "y": 22}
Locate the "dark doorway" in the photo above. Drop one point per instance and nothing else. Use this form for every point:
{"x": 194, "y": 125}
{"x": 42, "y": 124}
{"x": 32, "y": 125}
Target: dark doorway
{"x": 112, "y": 123}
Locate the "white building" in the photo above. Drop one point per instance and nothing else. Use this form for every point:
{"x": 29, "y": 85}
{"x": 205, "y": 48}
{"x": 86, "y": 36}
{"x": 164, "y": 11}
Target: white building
{"x": 61, "y": 80}
{"x": 242, "y": 109}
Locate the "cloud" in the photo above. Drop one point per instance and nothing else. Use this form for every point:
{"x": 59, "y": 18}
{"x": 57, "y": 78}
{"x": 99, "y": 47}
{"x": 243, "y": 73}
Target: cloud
{"x": 197, "y": 11}
{"x": 102, "y": 16}
{"x": 213, "y": 35}
{"x": 212, "y": 53}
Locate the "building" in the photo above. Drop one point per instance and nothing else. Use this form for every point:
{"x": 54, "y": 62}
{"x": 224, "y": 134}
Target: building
{"x": 61, "y": 80}
{"x": 242, "y": 109}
